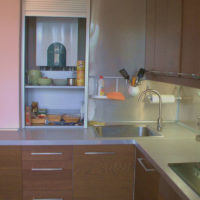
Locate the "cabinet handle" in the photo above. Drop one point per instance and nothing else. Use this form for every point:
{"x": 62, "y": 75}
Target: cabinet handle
{"x": 140, "y": 160}
{"x": 47, "y": 169}
{"x": 99, "y": 153}
{"x": 47, "y": 154}
{"x": 47, "y": 199}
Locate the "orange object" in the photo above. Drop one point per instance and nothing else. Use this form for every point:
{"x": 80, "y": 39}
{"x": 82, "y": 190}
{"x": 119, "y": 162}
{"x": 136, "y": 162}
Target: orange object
{"x": 133, "y": 81}
{"x": 116, "y": 96}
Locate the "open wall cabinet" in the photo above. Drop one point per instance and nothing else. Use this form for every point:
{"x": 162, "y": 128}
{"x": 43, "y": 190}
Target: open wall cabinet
{"x": 55, "y": 36}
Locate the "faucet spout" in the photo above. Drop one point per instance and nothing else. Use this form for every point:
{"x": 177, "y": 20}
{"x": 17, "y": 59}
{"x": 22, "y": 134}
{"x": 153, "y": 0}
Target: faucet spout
{"x": 150, "y": 92}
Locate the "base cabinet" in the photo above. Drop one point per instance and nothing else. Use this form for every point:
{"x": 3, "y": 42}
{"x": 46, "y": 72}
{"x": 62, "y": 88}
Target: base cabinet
{"x": 47, "y": 172}
{"x": 103, "y": 172}
{"x": 147, "y": 179}
{"x": 149, "y": 184}
{"x": 10, "y": 173}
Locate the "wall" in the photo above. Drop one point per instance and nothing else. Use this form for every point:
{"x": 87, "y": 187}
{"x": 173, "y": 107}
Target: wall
{"x": 189, "y": 106}
{"x": 117, "y": 40}
{"x": 9, "y": 57}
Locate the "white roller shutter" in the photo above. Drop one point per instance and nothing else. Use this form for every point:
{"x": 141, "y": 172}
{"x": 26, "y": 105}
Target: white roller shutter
{"x": 65, "y": 8}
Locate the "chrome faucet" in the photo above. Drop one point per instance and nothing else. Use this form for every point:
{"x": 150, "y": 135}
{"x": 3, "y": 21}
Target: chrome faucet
{"x": 150, "y": 92}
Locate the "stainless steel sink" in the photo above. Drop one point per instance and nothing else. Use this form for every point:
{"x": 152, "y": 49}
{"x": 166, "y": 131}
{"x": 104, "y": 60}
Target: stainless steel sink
{"x": 189, "y": 173}
{"x": 124, "y": 131}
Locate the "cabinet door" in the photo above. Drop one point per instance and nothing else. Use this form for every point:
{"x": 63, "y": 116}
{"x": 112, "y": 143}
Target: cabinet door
{"x": 191, "y": 37}
{"x": 10, "y": 58}
{"x": 103, "y": 172}
{"x": 10, "y": 173}
{"x": 146, "y": 179}
{"x": 166, "y": 191}
{"x": 163, "y": 35}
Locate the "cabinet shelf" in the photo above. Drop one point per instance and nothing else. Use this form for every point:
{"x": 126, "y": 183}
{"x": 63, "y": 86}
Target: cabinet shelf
{"x": 53, "y": 87}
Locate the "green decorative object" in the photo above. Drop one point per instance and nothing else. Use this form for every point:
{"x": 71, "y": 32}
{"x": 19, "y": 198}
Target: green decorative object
{"x": 56, "y": 55}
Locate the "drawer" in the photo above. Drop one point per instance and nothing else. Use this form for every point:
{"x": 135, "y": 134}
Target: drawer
{"x": 47, "y": 195}
{"x": 47, "y": 153}
{"x": 47, "y": 175}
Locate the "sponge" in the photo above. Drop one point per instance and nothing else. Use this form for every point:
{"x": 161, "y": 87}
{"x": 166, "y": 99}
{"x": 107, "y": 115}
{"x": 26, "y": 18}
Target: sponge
{"x": 115, "y": 96}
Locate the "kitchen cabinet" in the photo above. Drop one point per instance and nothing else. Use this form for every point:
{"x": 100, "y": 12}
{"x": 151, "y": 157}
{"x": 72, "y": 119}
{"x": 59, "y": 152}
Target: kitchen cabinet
{"x": 190, "y": 37}
{"x": 55, "y": 38}
{"x": 166, "y": 191}
{"x": 10, "y": 18}
{"x": 163, "y": 35}
{"x": 146, "y": 179}
{"x": 149, "y": 183}
{"x": 103, "y": 172}
{"x": 172, "y": 41}
{"x": 47, "y": 172}
{"x": 10, "y": 173}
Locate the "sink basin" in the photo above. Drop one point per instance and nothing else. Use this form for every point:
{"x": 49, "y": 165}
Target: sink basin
{"x": 189, "y": 173}
{"x": 124, "y": 131}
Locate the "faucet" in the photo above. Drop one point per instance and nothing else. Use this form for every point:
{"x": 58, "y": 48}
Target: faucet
{"x": 150, "y": 92}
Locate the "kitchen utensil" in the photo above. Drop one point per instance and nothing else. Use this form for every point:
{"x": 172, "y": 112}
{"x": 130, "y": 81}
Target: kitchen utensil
{"x": 116, "y": 96}
{"x": 60, "y": 82}
{"x": 71, "y": 81}
{"x": 133, "y": 81}
{"x": 33, "y": 76}
{"x": 44, "y": 81}
{"x": 140, "y": 75}
{"x": 125, "y": 74}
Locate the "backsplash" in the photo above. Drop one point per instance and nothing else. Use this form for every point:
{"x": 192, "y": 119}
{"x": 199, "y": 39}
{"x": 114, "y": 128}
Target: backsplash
{"x": 189, "y": 108}
{"x": 131, "y": 109}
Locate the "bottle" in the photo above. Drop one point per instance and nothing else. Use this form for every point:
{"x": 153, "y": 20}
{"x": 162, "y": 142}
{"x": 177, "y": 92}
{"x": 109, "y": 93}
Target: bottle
{"x": 28, "y": 116}
{"x": 80, "y": 73}
{"x": 100, "y": 86}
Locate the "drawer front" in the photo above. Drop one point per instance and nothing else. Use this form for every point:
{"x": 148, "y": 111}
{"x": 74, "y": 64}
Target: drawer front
{"x": 47, "y": 153}
{"x": 47, "y": 175}
{"x": 47, "y": 195}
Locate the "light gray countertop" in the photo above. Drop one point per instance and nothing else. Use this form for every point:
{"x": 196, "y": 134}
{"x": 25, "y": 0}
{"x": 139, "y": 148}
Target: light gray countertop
{"x": 177, "y": 144}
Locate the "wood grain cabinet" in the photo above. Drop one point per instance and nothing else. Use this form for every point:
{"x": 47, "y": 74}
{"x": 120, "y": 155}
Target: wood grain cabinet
{"x": 47, "y": 172}
{"x": 10, "y": 173}
{"x": 103, "y": 172}
{"x": 163, "y": 35}
{"x": 146, "y": 179}
{"x": 149, "y": 183}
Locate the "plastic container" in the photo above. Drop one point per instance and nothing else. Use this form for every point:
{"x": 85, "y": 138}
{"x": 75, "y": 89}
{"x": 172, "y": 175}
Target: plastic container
{"x": 101, "y": 86}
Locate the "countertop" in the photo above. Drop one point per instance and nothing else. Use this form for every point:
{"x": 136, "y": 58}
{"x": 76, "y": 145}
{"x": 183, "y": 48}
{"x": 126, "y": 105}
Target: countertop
{"x": 177, "y": 144}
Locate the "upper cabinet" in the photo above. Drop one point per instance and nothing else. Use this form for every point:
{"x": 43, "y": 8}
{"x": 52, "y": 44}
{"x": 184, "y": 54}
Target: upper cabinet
{"x": 191, "y": 37}
{"x": 173, "y": 40}
{"x": 163, "y": 35}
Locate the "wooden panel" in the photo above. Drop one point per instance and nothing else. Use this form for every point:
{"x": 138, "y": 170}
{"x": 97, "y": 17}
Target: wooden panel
{"x": 107, "y": 175}
{"x": 50, "y": 175}
{"x": 166, "y": 192}
{"x": 47, "y": 153}
{"x": 68, "y": 8}
{"x": 191, "y": 37}
{"x": 30, "y": 195}
{"x": 163, "y": 35}
{"x": 146, "y": 183}
{"x": 10, "y": 173}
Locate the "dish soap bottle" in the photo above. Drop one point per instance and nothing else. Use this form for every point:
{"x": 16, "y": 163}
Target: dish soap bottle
{"x": 101, "y": 86}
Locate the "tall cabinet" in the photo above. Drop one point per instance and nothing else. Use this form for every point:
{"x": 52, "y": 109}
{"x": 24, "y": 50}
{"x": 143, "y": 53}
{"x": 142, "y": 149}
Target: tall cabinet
{"x": 10, "y": 58}
{"x": 50, "y": 27}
